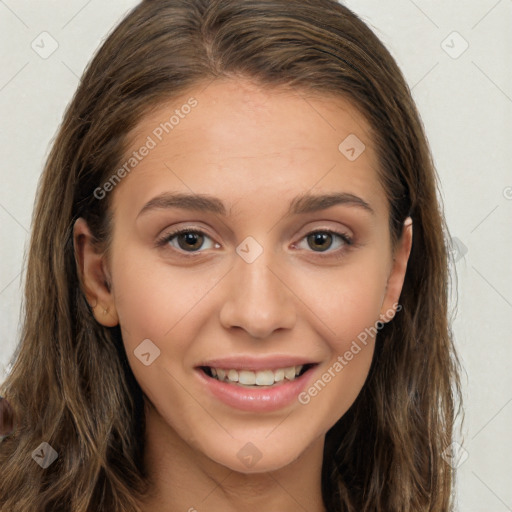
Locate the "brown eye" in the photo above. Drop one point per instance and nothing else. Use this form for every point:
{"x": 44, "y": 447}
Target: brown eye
{"x": 190, "y": 240}
{"x": 187, "y": 240}
{"x": 320, "y": 241}
{"x": 325, "y": 241}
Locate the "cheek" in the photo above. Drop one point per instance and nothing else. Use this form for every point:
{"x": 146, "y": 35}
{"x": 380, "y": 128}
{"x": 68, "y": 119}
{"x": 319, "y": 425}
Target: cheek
{"x": 165, "y": 305}
{"x": 153, "y": 299}
{"x": 347, "y": 304}
{"x": 345, "y": 299}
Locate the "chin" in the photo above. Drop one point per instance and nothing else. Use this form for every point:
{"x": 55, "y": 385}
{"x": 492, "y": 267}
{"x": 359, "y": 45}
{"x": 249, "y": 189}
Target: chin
{"x": 257, "y": 456}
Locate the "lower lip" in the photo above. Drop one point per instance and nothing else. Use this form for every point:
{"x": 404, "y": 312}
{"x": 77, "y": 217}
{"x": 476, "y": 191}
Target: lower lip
{"x": 265, "y": 399}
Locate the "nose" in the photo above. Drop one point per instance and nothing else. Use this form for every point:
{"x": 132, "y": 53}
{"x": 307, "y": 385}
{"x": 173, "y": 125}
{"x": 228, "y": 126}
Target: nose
{"x": 259, "y": 299}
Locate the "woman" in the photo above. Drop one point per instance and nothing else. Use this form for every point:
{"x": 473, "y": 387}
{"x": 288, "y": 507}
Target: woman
{"x": 236, "y": 290}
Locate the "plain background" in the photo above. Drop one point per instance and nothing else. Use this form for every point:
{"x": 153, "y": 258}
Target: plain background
{"x": 457, "y": 59}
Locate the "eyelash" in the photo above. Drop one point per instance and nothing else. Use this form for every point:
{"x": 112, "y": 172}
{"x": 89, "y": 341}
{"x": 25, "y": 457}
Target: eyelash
{"x": 346, "y": 239}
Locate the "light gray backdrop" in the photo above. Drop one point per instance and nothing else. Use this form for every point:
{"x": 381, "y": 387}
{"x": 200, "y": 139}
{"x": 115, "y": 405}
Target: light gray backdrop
{"x": 457, "y": 58}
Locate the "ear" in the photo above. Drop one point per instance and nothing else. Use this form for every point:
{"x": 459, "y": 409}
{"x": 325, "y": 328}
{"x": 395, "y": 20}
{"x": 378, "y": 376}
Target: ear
{"x": 397, "y": 275}
{"x": 94, "y": 276}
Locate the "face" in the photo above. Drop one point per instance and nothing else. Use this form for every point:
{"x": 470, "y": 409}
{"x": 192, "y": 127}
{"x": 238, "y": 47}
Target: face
{"x": 281, "y": 269}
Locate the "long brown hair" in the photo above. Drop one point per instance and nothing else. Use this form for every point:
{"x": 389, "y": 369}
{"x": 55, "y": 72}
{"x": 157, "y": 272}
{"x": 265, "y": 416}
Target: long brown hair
{"x": 71, "y": 385}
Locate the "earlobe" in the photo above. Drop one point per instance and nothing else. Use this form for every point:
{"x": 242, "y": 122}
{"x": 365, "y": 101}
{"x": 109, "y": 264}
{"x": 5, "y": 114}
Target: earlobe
{"x": 93, "y": 275}
{"x": 397, "y": 275}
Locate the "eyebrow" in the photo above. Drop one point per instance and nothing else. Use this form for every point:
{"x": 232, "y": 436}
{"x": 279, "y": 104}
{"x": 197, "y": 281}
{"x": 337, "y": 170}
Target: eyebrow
{"x": 305, "y": 203}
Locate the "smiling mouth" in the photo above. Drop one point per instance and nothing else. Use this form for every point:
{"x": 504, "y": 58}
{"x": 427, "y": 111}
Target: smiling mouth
{"x": 257, "y": 379}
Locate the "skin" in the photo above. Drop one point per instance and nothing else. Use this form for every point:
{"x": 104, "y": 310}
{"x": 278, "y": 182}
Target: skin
{"x": 255, "y": 149}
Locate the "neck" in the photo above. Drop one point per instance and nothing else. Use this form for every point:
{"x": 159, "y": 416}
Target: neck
{"x": 183, "y": 479}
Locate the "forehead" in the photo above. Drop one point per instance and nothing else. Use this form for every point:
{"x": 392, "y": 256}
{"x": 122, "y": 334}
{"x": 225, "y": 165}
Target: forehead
{"x": 237, "y": 139}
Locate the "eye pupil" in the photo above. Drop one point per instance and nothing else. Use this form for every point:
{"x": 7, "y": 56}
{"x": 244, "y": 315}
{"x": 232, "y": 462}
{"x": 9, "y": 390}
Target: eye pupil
{"x": 320, "y": 238}
{"x": 192, "y": 240}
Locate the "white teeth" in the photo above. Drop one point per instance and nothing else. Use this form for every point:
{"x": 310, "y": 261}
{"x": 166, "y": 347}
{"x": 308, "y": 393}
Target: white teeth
{"x": 289, "y": 373}
{"x": 233, "y": 375}
{"x": 279, "y": 375}
{"x": 265, "y": 378}
{"x": 246, "y": 377}
{"x": 259, "y": 378}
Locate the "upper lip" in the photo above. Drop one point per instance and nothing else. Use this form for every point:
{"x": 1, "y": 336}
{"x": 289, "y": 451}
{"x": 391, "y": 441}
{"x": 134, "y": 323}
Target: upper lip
{"x": 252, "y": 363}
